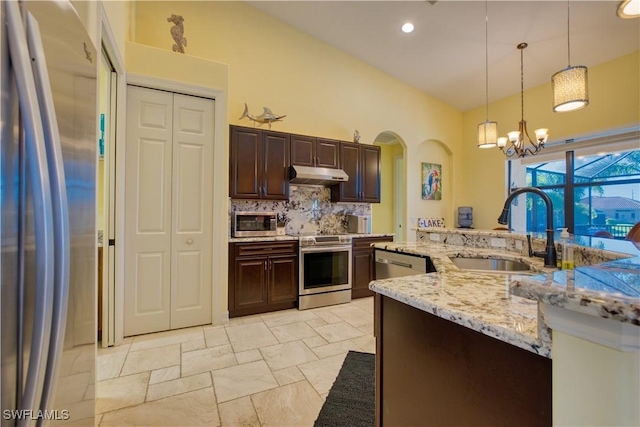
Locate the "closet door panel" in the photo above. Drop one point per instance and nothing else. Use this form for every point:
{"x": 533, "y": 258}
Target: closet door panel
{"x": 192, "y": 211}
{"x": 148, "y": 211}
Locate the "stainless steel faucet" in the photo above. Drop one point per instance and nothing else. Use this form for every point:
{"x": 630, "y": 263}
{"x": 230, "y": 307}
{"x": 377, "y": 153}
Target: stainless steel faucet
{"x": 549, "y": 254}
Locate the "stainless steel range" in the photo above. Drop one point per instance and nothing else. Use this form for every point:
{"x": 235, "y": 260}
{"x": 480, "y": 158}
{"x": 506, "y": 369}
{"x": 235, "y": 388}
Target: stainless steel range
{"x": 325, "y": 270}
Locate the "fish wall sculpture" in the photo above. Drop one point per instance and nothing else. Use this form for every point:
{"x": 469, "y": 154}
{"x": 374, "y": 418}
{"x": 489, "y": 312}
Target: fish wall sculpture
{"x": 266, "y": 117}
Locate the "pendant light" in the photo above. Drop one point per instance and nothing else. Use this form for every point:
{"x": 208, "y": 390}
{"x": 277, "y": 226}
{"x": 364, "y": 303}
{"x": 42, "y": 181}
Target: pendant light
{"x": 570, "y": 87}
{"x": 487, "y": 131}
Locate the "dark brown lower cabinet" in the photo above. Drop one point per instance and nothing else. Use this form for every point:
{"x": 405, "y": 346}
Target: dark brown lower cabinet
{"x": 364, "y": 265}
{"x": 433, "y": 372}
{"x": 263, "y": 276}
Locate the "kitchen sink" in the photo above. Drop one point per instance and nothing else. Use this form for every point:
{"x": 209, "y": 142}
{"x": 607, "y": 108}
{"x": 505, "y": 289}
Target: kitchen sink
{"x": 491, "y": 265}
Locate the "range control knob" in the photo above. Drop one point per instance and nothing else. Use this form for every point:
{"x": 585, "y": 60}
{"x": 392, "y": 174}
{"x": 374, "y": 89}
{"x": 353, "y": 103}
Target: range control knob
{"x": 307, "y": 241}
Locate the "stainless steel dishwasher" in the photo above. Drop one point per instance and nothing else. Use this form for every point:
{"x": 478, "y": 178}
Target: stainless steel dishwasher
{"x": 393, "y": 264}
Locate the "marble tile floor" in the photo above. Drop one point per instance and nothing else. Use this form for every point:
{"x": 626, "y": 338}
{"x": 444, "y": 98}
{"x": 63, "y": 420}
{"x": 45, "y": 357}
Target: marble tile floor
{"x": 272, "y": 369}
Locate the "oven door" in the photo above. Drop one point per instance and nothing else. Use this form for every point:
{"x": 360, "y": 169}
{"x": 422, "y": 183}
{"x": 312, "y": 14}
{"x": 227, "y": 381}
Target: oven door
{"x": 324, "y": 269}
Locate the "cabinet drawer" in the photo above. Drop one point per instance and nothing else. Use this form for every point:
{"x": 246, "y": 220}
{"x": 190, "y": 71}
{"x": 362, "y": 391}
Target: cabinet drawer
{"x": 365, "y": 242}
{"x": 265, "y": 248}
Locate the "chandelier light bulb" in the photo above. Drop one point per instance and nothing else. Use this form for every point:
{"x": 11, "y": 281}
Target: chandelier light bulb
{"x": 541, "y": 135}
{"x": 514, "y": 135}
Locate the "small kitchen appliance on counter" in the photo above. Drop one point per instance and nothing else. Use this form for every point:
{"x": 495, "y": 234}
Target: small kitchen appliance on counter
{"x": 254, "y": 224}
{"x": 465, "y": 216}
{"x": 359, "y": 224}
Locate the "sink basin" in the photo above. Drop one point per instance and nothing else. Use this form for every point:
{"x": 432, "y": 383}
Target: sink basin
{"x": 490, "y": 265}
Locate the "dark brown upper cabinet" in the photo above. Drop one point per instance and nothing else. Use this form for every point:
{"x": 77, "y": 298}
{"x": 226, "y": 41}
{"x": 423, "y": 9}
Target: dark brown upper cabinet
{"x": 314, "y": 152}
{"x": 259, "y": 164}
{"x": 362, "y": 163}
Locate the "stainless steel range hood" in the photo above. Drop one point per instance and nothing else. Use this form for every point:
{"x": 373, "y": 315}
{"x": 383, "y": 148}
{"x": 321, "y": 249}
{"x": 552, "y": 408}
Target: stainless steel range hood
{"x": 305, "y": 175}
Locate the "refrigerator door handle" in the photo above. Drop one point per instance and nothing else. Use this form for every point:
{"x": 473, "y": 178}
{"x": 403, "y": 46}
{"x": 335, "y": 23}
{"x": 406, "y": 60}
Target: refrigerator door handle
{"x": 60, "y": 209}
{"x": 42, "y": 208}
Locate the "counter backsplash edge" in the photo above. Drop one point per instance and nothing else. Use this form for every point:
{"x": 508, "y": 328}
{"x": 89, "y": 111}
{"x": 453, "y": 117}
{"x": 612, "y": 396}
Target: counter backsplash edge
{"x": 509, "y": 242}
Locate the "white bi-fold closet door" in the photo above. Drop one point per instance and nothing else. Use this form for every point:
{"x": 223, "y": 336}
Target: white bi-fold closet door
{"x": 168, "y": 225}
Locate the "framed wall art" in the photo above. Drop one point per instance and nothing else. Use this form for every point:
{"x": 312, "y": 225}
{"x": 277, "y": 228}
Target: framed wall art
{"x": 431, "y": 181}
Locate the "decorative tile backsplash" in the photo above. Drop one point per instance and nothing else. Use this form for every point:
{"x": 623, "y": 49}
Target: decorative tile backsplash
{"x": 308, "y": 210}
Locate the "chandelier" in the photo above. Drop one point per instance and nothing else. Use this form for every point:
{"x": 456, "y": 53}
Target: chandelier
{"x": 520, "y": 138}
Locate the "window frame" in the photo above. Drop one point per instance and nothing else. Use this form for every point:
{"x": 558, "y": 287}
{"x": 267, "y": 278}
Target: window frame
{"x": 621, "y": 140}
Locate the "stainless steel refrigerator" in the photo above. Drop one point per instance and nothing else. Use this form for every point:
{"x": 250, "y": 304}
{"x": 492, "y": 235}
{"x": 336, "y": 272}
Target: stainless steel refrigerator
{"x": 47, "y": 215}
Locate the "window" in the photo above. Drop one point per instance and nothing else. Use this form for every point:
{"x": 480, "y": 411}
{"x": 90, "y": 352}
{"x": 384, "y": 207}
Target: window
{"x": 592, "y": 192}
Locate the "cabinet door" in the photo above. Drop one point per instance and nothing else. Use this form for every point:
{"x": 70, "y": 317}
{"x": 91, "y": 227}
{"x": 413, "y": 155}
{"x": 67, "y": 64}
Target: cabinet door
{"x": 364, "y": 264}
{"x": 250, "y": 288}
{"x": 370, "y": 170}
{"x": 303, "y": 150}
{"x": 245, "y": 168}
{"x": 327, "y": 153}
{"x": 363, "y": 273}
{"x": 350, "y": 163}
{"x": 276, "y": 164}
{"x": 283, "y": 279}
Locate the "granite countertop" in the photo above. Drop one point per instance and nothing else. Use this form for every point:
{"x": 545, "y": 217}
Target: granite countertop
{"x": 479, "y": 301}
{"x": 288, "y": 237}
{"x": 609, "y": 290}
{"x": 500, "y": 305}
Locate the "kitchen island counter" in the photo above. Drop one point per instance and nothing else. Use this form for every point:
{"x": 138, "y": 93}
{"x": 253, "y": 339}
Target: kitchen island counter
{"x": 483, "y": 340}
{"x": 479, "y": 301}
{"x": 455, "y": 347}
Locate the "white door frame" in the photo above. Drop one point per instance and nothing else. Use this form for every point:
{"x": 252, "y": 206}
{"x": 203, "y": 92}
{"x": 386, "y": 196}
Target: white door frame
{"x": 219, "y": 263}
{"x": 111, "y": 299}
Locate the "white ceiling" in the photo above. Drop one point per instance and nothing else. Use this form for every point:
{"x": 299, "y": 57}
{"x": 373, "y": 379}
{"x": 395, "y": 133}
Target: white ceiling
{"x": 445, "y": 55}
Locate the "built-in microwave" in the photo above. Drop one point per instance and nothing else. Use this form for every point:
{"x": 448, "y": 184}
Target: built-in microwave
{"x": 253, "y": 224}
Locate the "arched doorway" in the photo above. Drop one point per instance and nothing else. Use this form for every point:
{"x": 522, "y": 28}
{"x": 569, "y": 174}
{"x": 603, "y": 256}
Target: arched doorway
{"x": 389, "y": 214}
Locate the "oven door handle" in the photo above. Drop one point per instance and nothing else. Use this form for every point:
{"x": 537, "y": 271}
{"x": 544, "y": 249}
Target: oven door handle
{"x": 308, "y": 249}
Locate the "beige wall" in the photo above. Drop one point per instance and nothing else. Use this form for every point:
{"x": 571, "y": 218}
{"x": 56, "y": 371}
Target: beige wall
{"x": 594, "y": 385}
{"x": 322, "y": 91}
{"x": 328, "y": 93}
{"x": 117, "y": 14}
{"x": 614, "y": 89}
{"x": 382, "y": 212}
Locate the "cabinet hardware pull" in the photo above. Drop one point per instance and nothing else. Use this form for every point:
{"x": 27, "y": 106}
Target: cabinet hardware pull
{"x": 189, "y": 241}
{"x": 398, "y": 263}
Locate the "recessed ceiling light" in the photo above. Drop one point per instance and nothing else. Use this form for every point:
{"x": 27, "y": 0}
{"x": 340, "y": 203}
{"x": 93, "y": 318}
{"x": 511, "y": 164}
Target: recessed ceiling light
{"x": 407, "y": 27}
{"x": 629, "y": 9}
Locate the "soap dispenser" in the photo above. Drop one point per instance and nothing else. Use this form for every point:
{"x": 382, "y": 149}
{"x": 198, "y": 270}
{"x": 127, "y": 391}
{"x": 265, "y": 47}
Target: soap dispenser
{"x": 567, "y": 262}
